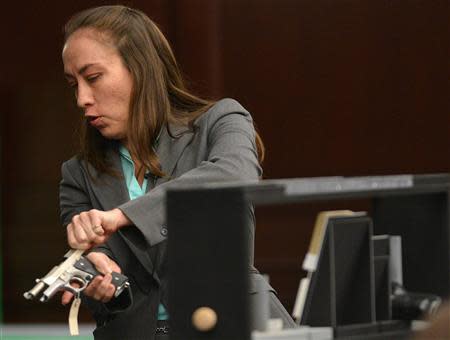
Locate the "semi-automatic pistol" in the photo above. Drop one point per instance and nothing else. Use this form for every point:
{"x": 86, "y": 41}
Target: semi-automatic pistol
{"x": 73, "y": 275}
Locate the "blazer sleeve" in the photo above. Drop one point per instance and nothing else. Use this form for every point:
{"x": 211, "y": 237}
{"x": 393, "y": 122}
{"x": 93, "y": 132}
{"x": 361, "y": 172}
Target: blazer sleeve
{"x": 231, "y": 155}
{"x": 74, "y": 200}
{"x": 72, "y": 196}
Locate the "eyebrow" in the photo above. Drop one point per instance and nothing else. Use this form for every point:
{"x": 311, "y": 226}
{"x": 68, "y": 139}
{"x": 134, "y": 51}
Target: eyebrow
{"x": 81, "y": 70}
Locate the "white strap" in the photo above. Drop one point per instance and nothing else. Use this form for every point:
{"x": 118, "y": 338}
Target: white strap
{"x": 73, "y": 316}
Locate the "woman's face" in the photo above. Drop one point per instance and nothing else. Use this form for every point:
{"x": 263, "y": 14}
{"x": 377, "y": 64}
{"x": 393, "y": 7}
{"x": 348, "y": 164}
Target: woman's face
{"x": 102, "y": 83}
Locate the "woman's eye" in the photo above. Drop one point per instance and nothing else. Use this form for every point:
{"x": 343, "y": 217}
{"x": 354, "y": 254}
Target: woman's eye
{"x": 93, "y": 78}
{"x": 73, "y": 85}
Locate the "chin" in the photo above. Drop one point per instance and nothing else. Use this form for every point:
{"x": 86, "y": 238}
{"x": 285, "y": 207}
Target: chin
{"x": 111, "y": 134}
{"x": 108, "y": 134}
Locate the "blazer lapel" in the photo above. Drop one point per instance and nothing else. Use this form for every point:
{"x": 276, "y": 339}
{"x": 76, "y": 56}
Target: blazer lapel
{"x": 170, "y": 149}
{"x": 111, "y": 192}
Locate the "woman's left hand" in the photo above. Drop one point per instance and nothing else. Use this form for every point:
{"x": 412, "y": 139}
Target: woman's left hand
{"x": 93, "y": 227}
{"x": 100, "y": 288}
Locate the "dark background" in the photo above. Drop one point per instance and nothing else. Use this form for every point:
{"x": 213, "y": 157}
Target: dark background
{"x": 344, "y": 87}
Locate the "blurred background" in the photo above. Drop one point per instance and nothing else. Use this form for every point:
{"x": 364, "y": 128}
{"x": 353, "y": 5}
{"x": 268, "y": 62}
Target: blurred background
{"x": 345, "y": 87}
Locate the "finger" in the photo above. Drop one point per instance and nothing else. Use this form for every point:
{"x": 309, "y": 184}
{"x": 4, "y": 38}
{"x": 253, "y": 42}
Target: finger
{"x": 114, "y": 267}
{"x": 91, "y": 224}
{"x": 101, "y": 262}
{"x": 87, "y": 226}
{"x": 78, "y": 230}
{"x": 92, "y": 287}
{"x": 72, "y": 240}
{"x": 66, "y": 297}
{"x": 96, "y": 222}
{"x": 103, "y": 288}
{"x": 98, "y": 230}
{"x": 109, "y": 293}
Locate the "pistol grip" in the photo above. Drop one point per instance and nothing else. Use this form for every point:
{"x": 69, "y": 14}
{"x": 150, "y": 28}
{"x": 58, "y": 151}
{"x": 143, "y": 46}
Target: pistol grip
{"x": 120, "y": 281}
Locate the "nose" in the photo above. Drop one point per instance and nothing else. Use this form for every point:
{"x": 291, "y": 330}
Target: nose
{"x": 84, "y": 96}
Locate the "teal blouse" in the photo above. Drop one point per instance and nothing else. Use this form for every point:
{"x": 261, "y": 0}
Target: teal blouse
{"x": 135, "y": 191}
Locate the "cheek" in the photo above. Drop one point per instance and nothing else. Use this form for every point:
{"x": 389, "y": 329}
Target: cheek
{"x": 117, "y": 101}
{"x": 122, "y": 95}
{"x": 122, "y": 103}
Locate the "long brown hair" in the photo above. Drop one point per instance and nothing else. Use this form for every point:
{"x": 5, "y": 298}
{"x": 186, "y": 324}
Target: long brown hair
{"x": 159, "y": 95}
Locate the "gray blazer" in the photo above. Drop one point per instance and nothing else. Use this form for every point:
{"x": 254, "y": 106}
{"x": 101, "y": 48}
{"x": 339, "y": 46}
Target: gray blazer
{"x": 221, "y": 147}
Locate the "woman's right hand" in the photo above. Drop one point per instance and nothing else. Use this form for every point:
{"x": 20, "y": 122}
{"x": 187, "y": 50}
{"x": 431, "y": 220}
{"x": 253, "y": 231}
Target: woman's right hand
{"x": 93, "y": 227}
{"x": 100, "y": 288}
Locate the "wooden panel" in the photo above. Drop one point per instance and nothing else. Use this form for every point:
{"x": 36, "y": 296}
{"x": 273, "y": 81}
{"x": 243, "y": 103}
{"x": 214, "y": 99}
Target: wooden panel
{"x": 342, "y": 87}
{"x": 197, "y": 43}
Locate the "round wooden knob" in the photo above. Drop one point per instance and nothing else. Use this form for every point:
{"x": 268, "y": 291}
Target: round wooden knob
{"x": 204, "y": 319}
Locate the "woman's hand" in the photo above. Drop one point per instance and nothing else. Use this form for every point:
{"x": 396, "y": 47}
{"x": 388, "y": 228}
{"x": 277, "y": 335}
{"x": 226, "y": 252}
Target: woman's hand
{"x": 94, "y": 227}
{"x": 100, "y": 288}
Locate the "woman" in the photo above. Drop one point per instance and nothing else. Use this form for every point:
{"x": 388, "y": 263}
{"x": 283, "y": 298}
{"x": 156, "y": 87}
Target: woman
{"x": 143, "y": 132}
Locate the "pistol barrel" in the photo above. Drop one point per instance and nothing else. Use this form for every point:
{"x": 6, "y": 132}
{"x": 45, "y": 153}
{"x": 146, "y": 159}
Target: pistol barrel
{"x": 32, "y": 293}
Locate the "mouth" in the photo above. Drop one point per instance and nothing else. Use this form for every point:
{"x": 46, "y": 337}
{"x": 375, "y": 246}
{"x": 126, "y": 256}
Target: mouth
{"x": 95, "y": 121}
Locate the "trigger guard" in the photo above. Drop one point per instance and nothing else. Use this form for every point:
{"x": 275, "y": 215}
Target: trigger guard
{"x": 73, "y": 290}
